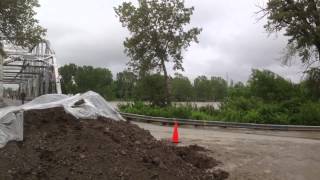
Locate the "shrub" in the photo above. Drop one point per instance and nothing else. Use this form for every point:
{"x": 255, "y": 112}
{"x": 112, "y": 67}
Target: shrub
{"x": 241, "y": 103}
{"x": 197, "y": 115}
{"x": 247, "y": 110}
{"x": 309, "y": 114}
{"x": 251, "y": 116}
{"x": 180, "y": 111}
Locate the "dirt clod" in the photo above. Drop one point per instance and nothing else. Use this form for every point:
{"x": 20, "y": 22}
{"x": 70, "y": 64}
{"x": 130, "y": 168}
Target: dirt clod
{"x": 58, "y": 146}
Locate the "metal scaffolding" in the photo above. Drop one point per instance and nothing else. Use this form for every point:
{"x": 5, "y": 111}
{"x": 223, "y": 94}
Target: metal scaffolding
{"x": 35, "y": 71}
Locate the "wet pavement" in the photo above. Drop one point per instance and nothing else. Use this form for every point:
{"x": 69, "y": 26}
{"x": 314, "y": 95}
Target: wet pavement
{"x": 251, "y": 154}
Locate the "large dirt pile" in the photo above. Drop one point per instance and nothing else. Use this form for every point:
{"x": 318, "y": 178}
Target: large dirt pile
{"x": 60, "y": 147}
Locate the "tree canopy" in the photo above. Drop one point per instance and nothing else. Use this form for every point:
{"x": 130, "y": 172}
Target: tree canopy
{"x": 151, "y": 89}
{"x": 214, "y": 89}
{"x": 157, "y": 35}
{"x": 312, "y": 83}
{"x": 300, "y": 19}
{"x": 182, "y": 89}
{"x": 125, "y": 84}
{"x": 18, "y": 24}
{"x": 79, "y": 79}
{"x": 269, "y": 86}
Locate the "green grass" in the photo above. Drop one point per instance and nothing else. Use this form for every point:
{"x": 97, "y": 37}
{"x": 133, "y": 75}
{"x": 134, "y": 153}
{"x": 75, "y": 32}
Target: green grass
{"x": 244, "y": 110}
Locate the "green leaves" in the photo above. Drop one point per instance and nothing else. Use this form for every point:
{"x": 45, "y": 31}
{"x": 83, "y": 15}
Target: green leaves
{"x": 214, "y": 89}
{"x": 151, "y": 88}
{"x": 17, "y": 22}
{"x": 125, "y": 85}
{"x": 270, "y": 86}
{"x": 157, "y": 35}
{"x": 182, "y": 89}
{"x": 301, "y": 22}
{"x": 79, "y": 79}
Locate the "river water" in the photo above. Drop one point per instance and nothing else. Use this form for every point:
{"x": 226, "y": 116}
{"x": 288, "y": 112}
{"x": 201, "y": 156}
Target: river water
{"x": 216, "y": 105}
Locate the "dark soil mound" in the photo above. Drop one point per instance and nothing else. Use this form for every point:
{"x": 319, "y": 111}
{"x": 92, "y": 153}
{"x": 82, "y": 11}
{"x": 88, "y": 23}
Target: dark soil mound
{"x": 58, "y": 146}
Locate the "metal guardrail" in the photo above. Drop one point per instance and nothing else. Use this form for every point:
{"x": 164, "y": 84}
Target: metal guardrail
{"x": 149, "y": 119}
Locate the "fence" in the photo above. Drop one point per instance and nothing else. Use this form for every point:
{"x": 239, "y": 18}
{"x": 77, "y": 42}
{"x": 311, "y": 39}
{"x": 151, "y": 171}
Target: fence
{"x": 149, "y": 119}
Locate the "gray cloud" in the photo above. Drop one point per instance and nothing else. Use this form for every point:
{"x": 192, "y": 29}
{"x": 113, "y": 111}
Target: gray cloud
{"x": 231, "y": 44}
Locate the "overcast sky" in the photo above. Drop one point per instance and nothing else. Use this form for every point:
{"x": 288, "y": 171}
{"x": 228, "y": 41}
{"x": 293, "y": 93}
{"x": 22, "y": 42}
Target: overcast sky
{"x": 87, "y": 32}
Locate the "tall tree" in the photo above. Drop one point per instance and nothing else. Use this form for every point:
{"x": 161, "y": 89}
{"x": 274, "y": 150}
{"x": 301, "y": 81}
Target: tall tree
{"x": 149, "y": 89}
{"x": 202, "y": 88}
{"x": 269, "y": 86}
{"x": 79, "y": 79}
{"x": 125, "y": 84}
{"x": 312, "y": 83}
{"x": 157, "y": 35}
{"x": 239, "y": 90}
{"x": 219, "y": 88}
{"x": 301, "y": 21}
{"x": 68, "y": 73}
{"x": 97, "y": 79}
{"x": 18, "y": 24}
{"x": 182, "y": 89}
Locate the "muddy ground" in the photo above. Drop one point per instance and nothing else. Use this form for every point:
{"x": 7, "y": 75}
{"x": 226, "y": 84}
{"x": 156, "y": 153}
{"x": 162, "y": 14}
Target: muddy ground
{"x": 253, "y": 154}
{"x": 60, "y": 147}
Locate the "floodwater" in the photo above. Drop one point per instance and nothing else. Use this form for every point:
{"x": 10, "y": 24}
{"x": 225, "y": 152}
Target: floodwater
{"x": 197, "y": 104}
{"x": 115, "y": 104}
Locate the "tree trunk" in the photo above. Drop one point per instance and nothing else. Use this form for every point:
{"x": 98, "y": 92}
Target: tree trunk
{"x": 167, "y": 85}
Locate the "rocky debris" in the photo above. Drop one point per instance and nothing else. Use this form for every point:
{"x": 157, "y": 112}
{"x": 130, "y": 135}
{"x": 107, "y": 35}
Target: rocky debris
{"x": 58, "y": 146}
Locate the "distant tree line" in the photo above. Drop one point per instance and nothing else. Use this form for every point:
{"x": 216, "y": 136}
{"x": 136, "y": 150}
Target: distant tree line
{"x": 265, "y": 98}
{"x": 128, "y": 86}
{"x": 271, "y": 87}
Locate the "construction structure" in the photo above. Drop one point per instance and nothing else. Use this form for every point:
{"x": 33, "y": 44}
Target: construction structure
{"x": 33, "y": 71}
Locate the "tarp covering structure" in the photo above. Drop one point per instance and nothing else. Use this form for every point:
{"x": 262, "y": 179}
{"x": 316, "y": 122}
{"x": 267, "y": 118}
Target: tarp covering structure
{"x": 89, "y": 105}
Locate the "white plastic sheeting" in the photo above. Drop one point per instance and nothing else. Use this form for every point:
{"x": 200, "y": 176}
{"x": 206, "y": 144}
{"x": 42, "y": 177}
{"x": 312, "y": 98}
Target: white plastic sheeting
{"x": 89, "y": 105}
{"x": 11, "y": 125}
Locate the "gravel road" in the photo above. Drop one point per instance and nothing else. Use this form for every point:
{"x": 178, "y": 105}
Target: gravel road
{"x": 251, "y": 154}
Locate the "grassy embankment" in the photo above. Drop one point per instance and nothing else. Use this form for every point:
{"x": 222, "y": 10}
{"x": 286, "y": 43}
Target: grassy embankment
{"x": 245, "y": 110}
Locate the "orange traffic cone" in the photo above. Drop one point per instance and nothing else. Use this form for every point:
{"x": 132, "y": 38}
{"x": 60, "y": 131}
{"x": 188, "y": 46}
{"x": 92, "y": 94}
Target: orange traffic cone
{"x": 175, "y": 135}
